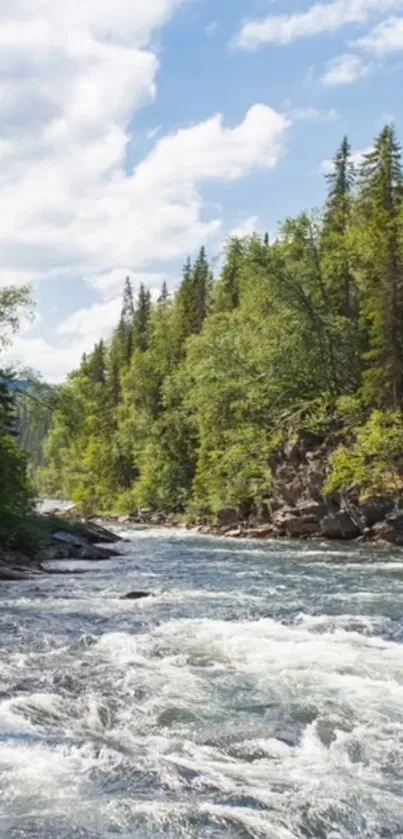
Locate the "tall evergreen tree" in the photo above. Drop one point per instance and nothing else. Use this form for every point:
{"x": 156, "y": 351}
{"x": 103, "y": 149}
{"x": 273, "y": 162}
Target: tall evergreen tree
{"x": 383, "y": 276}
{"x": 164, "y": 295}
{"x": 126, "y": 323}
{"x": 193, "y": 298}
{"x": 229, "y": 286}
{"x": 335, "y": 232}
{"x": 142, "y": 320}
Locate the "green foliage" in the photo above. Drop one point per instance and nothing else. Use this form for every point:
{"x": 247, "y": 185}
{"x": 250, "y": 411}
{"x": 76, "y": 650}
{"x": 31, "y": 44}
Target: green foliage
{"x": 186, "y": 405}
{"x": 373, "y": 464}
{"x": 15, "y": 495}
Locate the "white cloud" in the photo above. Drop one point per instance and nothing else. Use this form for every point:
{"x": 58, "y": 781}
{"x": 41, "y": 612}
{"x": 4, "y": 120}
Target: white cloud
{"x": 357, "y": 157}
{"x": 93, "y": 321}
{"x": 211, "y": 151}
{"x": 112, "y": 282}
{"x": 345, "y": 70}
{"x": 319, "y": 18}
{"x": 72, "y": 77}
{"x": 40, "y": 355}
{"x": 246, "y": 227}
{"x": 77, "y": 209}
{"x": 311, "y": 114}
{"x": 385, "y": 38}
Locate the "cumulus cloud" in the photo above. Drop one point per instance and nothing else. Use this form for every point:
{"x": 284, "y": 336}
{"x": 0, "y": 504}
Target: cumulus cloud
{"x": 345, "y": 70}
{"x": 69, "y": 94}
{"x": 246, "y": 227}
{"x": 54, "y": 362}
{"x": 72, "y": 77}
{"x": 385, "y": 38}
{"x": 318, "y": 19}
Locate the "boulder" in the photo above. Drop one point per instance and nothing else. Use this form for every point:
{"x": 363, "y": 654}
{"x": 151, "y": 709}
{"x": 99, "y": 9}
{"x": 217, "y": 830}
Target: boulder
{"x": 299, "y": 521}
{"x": 93, "y": 553}
{"x": 390, "y": 530}
{"x": 262, "y": 531}
{"x": 235, "y": 533}
{"x": 95, "y": 533}
{"x": 13, "y": 574}
{"x": 374, "y": 511}
{"x": 135, "y": 595}
{"x": 55, "y": 551}
{"x": 339, "y": 526}
{"x": 69, "y": 538}
{"x": 314, "y": 509}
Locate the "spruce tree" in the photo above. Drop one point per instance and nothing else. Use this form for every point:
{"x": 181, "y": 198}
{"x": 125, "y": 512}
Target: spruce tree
{"x": 383, "y": 276}
{"x": 336, "y": 225}
{"x": 126, "y": 322}
{"x": 164, "y": 295}
{"x": 142, "y": 320}
{"x": 228, "y": 290}
{"x": 193, "y": 298}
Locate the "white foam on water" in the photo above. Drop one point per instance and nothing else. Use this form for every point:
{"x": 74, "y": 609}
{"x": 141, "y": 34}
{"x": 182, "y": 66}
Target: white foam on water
{"x": 202, "y": 728}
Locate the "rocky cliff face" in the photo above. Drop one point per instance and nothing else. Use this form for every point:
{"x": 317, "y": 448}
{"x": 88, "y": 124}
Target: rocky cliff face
{"x": 301, "y": 508}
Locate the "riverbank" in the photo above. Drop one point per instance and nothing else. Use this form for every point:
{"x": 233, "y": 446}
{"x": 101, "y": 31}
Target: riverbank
{"x": 53, "y": 537}
{"x": 300, "y": 505}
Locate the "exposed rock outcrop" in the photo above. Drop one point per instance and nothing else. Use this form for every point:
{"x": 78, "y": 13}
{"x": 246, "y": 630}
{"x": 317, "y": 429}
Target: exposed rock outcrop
{"x": 339, "y": 526}
{"x": 77, "y": 541}
{"x": 390, "y": 531}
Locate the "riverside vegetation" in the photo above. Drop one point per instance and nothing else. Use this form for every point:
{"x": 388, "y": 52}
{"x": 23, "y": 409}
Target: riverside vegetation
{"x": 263, "y": 398}
{"x": 27, "y": 538}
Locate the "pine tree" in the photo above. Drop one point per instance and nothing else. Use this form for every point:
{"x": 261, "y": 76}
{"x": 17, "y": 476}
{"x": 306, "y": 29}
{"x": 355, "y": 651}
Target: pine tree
{"x": 126, "y": 322}
{"x": 95, "y": 364}
{"x": 164, "y": 296}
{"x": 201, "y": 280}
{"x": 193, "y": 298}
{"x": 228, "y": 290}
{"x": 336, "y": 226}
{"x": 113, "y": 370}
{"x": 7, "y": 403}
{"x": 383, "y": 277}
{"x": 142, "y": 320}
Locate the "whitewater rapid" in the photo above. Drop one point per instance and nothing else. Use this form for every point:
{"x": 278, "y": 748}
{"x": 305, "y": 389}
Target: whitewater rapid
{"x": 258, "y": 693}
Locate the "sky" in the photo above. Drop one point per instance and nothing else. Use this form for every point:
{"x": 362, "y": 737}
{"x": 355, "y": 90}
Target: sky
{"x": 135, "y": 131}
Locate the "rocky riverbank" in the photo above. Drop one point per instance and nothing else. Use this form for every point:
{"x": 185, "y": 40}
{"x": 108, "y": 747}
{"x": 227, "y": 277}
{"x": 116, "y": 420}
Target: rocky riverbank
{"x": 300, "y": 507}
{"x": 56, "y": 538}
{"x": 375, "y": 521}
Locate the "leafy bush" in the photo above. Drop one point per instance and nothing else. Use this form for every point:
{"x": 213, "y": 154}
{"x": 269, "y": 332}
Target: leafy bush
{"x": 373, "y": 464}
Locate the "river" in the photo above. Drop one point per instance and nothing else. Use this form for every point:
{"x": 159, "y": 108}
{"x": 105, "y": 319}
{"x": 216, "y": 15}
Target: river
{"x": 258, "y": 693}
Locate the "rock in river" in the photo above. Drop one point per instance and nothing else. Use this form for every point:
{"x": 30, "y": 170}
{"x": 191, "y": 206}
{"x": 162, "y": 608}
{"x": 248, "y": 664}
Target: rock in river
{"x": 135, "y": 595}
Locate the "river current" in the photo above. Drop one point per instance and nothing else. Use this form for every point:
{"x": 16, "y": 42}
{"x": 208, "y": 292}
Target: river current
{"x": 258, "y": 693}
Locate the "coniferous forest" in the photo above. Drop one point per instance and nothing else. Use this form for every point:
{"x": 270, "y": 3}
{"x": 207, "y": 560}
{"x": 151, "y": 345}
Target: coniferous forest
{"x": 189, "y": 404}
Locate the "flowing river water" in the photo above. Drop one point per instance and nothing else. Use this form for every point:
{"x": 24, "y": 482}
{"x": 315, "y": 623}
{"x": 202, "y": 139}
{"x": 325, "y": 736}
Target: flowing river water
{"x": 258, "y": 693}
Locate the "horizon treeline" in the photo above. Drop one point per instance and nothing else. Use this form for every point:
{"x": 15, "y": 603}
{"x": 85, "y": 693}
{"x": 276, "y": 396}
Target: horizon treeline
{"x": 184, "y": 407}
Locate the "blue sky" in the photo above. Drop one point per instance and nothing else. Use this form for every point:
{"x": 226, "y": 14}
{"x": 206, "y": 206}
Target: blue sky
{"x": 132, "y": 133}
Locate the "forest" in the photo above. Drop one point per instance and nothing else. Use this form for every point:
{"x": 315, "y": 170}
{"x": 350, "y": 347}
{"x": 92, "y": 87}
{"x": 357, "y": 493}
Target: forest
{"x": 16, "y": 494}
{"x": 188, "y": 404}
